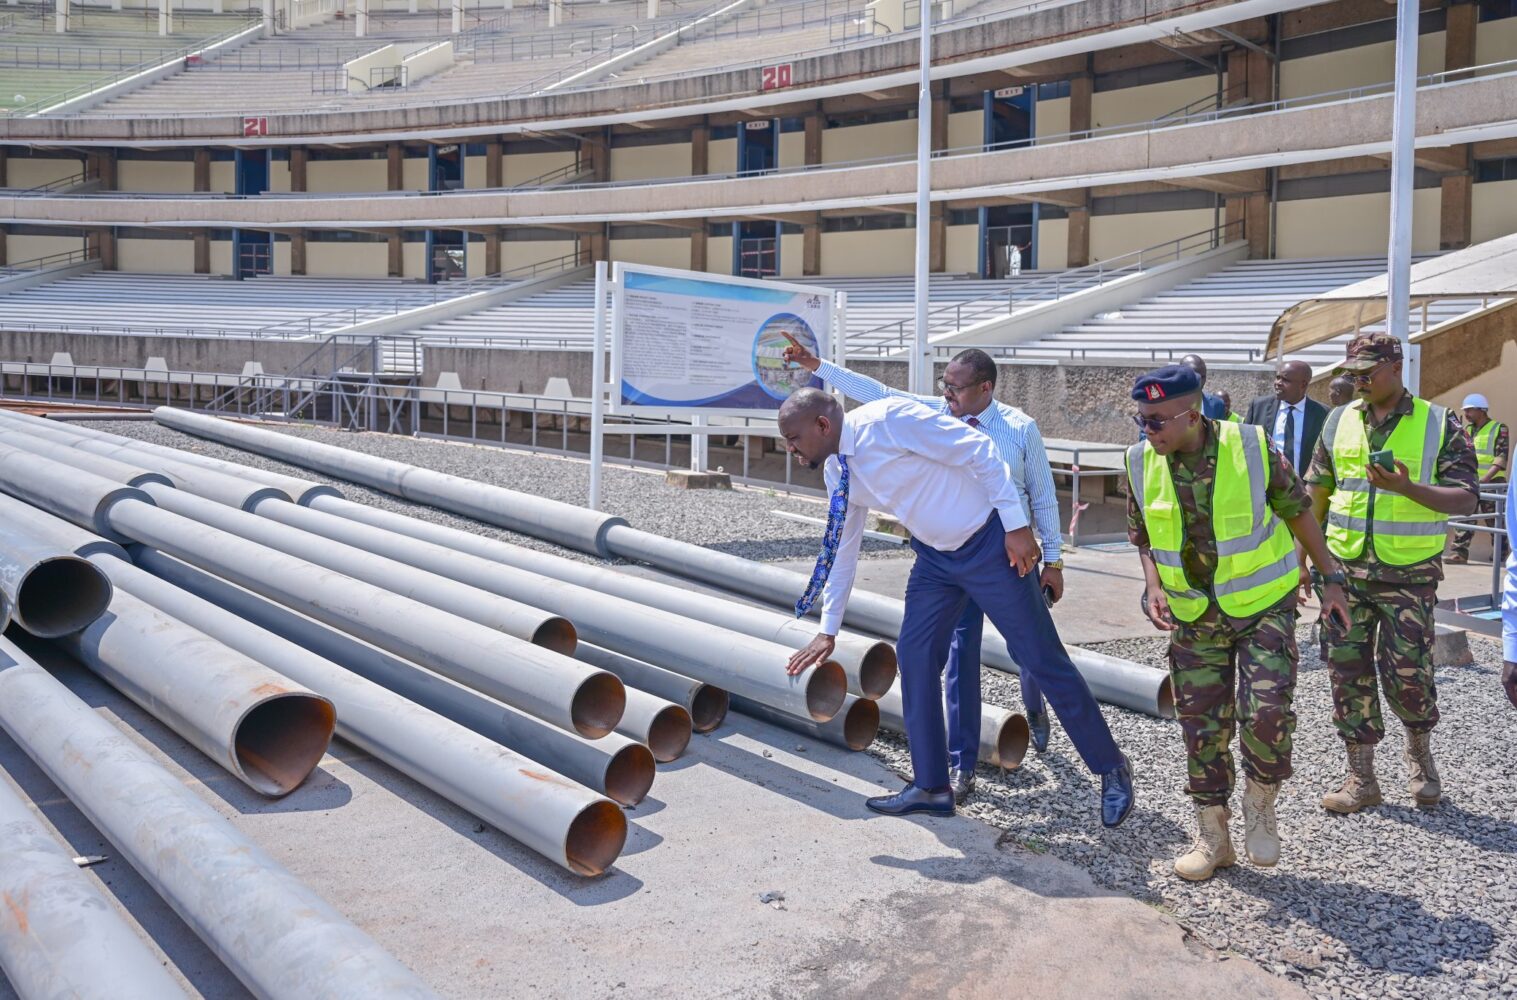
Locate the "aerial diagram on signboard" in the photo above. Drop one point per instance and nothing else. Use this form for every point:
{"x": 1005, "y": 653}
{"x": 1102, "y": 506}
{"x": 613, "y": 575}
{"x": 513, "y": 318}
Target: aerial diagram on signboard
{"x": 774, "y": 376}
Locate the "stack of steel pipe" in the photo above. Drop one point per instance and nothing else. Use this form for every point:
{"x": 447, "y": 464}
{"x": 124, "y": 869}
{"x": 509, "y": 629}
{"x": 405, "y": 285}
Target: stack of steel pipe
{"x": 1112, "y": 680}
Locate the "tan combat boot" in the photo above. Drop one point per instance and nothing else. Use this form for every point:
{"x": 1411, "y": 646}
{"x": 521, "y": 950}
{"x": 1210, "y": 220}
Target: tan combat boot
{"x": 1360, "y": 788}
{"x": 1419, "y": 761}
{"x": 1261, "y": 839}
{"x": 1213, "y": 848}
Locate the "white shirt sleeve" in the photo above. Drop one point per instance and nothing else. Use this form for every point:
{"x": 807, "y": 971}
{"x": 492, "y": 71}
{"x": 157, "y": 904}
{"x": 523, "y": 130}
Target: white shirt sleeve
{"x": 862, "y": 388}
{"x": 1040, "y": 493}
{"x": 950, "y": 441}
{"x": 1509, "y": 598}
{"x": 844, "y": 567}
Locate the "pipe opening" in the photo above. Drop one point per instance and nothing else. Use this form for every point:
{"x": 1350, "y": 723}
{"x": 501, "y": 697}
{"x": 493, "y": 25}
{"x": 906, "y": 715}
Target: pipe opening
{"x": 1166, "y": 698}
{"x": 878, "y": 671}
{"x": 1012, "y": 741}
{"x": 281, "y": 740}
{"x": 595, "y": 838}
{"x": 598, "y": 705}
{"x": 862, "y": 724}
{"x": 557, "y": 634}
{"x": 61, "y": 596}
{"x": 629, "y": 774}
{"x": 708, "y": 708}
{"x": 669, "y": 734}
{"x": 825, "y": 690}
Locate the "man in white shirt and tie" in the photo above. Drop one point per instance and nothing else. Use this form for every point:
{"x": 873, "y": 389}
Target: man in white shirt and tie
{"x": 1292, "y": 419}
{"x": 945, "y": 482}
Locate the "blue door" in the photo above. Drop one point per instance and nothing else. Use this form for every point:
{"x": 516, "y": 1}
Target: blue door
{"x": 252, "y": 251}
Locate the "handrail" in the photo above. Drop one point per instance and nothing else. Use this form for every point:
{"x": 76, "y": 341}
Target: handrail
{"x": 1217, "y": 100}
{"x": 167, "y": 57}
{"x": 60, "y": 184}
{"x": 51, "y": 261}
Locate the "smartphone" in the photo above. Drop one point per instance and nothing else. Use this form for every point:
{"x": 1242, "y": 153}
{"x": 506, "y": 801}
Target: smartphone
{"x": 1048, "y": 596}
{"x": 1385, "y": 459}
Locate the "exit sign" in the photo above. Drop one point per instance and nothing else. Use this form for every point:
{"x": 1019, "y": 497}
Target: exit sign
{"x": 252, "y": 127}
{"x": 775, "y": 77}
{"x": 1010, "y": 92}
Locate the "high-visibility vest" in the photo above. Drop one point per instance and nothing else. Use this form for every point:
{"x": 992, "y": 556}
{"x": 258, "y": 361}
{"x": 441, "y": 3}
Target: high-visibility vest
{"x": 1485, "y": 445}
{"x": 1256, "y": 556}
{"x": 1405, "y": 532}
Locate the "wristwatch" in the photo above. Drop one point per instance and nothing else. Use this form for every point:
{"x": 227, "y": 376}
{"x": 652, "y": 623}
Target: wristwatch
{"x": 1056, "y": 564}
{"x": 1338, "y": 577}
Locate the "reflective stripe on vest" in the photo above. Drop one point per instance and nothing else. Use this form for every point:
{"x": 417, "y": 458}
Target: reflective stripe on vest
{"x": 1485, "y": 445}
{"x": 1404, "y": 531}
{"x": 1256, "y": 556}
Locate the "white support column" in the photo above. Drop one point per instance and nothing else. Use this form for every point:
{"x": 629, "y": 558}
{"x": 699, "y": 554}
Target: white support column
{"x": 598, "y": 387}
{"x": 165, "y": 18}
{"x": 268, "y": 18}
{"x": 1403, "y": 166}
{"x": 61, "y": 20}
{"x": 362, "y": 20}
{"x": 115, "y": 4}
{"x": 652, "y": 9}
{"x": 920, "y": 368}
{"x": 508, "y": 5}
{"x": 216, "y": 7}
{"x": 458, "y": 16}
{"x": 555, "y": 13}
{"x": 412, "y": 7}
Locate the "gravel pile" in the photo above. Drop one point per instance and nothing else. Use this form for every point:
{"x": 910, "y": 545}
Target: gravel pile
{"x": 738, "y": 521}
{"x": 1392, "y": 902}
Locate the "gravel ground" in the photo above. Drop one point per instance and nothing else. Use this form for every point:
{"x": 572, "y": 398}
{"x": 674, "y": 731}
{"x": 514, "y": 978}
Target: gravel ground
{"x": 738, "y": 521}
{"x": 1393, "y": 902}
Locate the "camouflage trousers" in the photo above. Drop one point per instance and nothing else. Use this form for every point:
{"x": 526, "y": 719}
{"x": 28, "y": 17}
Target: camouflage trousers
{"x": 1390, "y": 633}
{"x": 1227, "y": 675}
{"x": 1463, "y": 539}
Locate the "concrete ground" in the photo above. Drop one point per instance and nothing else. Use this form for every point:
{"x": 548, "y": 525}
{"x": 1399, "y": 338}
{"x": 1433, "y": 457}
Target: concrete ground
{"x": 871, "y": 906}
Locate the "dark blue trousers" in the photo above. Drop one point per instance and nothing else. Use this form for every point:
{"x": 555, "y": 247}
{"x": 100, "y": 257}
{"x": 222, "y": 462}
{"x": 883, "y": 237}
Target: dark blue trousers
{"x": 961, "y": 684}
{"x": 936, "y": 594}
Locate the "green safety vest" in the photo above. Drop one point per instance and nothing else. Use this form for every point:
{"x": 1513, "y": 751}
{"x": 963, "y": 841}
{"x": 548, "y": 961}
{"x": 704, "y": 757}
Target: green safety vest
{"x": 1256, "y": 556}
{"x": 1405, "y": 532}
{"x": 1485, "y": 445}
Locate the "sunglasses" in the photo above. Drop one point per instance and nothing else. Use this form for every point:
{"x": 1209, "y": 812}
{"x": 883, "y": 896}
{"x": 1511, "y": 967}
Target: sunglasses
{"x": 1154, "y": 425}
{"x": 1365, "y": 378}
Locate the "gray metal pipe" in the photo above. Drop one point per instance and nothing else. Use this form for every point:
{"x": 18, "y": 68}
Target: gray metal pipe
{"x": 297, "y": 490}
{"x": 380, "y": 709}
{"x": 661, "y": 726}
{"x": 750, "y": 667}
{"x": 121, "y": 472}
{"x": 276, "y": 935}
{"x": 566, "y": 524}
{"x": 554, "y": 688}
{"x": 55, "y": 531}
{"x": 264, "y": 728}
{"x": 47, "y": 590}
{"x": 853, "y": 728}
{"x": 1004, "y": 736}
{"x": 868, "y": 664}
{"x": 706, "y": 703}
{"x": 59, "y": 937}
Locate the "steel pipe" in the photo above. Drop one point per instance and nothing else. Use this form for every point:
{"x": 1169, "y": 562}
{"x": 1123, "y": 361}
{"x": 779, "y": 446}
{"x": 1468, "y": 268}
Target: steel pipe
{"x": 59, "y": 936}
{"x": 868, "y": 664}
{"x": 661, "y": 726}
{"x": 1004, "y": 736}
{"x": 276, "y": 935}
{"x": 853, "y": 728}
{"x": 380, "y": 709}
{"x": 566, "y": 524}
{"x": 261, "y": 726}
{"x": 736, "y": 662}
{"x": 297, "y": 490}
{"x": 121, "y": 472}
{"x": 538, "y": 681}
{"x": 706, "y": 703}
{"x": 47, "y": 590}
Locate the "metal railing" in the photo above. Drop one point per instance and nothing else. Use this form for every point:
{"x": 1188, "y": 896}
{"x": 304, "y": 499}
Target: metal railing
{"x": 48, "y": 262}
{"x": 61, "y": 184}
{"x": 1215, "y": 101}
{"x": 890, "y": 338}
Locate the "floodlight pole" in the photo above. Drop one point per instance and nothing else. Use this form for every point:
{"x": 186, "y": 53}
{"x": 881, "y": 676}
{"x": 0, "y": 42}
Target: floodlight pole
{"x": 1403, "y": 168}
{"x": 920, "y": 369}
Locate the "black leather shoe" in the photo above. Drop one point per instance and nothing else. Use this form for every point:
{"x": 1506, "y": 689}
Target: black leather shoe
{"x": 1116, "y": 794}
{"x": 912, "y": 799}
{"x": 1041, "y": 726}
{"x": 961, "y": 783}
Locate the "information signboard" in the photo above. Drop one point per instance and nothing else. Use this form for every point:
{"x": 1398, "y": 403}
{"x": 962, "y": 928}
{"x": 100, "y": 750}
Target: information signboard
{"x": 705, "y": 343}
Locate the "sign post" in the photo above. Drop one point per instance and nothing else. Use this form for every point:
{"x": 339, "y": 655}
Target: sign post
{"x": 598, "y": 387}
{"x": 1403, "y": 141}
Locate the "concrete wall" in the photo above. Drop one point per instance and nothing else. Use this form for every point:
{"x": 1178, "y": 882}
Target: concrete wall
{"x": 719, "y": 255}
{"x": 1053, "y": 244}
{"x": 962, "y": 254}
{"x": 1052, "y": 117}
{"x": 1494, "y": 208}
{"x": 520, "y": 254}
{"x": 1465, "y": 359}
{"x": 156, "y": 177}
{"x": 28, "y": 247}
{"x": 1112, "y": 235}
{"x": 510, "y": 371}
{"x": 1143, "y": 104}
{"x": 672, "y": 252}
{"x": 792, "y": 255}
{"x": 721, "y": 156}
{"x": 867, "y": 142}
{"x": 965, "y": 129}
{"x": 1496, "y": 41}
{"x": 1352, "y": 225}
{"x": 637, "y": 163}
{"x": 870, "y": 251}
{"x": 171, "y": 256}
{"x": 189, "y": 354}
{"x": 1357, "y": 67}
{"x": 347, "y": 260}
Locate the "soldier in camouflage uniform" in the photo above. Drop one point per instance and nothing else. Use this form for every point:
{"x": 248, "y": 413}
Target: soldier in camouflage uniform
{"x": 1228, "y": 672}
{"x": 1493, "y": 445}
{"x": 1393, "y": 575}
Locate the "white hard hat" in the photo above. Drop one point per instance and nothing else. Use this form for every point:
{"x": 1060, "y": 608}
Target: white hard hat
{"x": 1475, "y": 401}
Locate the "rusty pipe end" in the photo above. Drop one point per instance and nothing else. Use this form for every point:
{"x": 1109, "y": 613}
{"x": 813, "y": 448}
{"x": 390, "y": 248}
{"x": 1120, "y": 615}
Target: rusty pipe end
{"x": 598, "y": 705}
{"x": 595, "y": 838}
{"x": 629, "y": 774}
{"x": 708, "y": 708}
{"x": 877, "y": 671}
{"x": 1166, "y": 698}
{"x": 61, "y": 596}
{"x": 281, "y": 739}
{"x": 862, "y": 724}
{"x": 826, "y": 689}
{"x": 669, "y": 733}
{"x": 1012, "y": 741}
{"x": 557, "y": 634}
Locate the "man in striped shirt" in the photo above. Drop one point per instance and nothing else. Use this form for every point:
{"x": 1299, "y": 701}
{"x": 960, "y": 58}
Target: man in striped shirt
{"x": 968, "y": 387}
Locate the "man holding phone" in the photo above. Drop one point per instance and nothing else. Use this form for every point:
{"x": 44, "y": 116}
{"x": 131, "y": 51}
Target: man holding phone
{"x": 1217, "y": 514}
{"x": 1389, "y": 470}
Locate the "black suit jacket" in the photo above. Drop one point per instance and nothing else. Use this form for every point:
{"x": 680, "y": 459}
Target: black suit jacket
{"x": 1263, "y": 410}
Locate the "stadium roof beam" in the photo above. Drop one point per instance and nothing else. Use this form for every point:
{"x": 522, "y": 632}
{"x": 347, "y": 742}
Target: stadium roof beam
{"x": 1240, "y": 40}
{"x": 1232, "y": 183}
{"x": 1209, "y": 64}
{"x": 1445, "y": 160}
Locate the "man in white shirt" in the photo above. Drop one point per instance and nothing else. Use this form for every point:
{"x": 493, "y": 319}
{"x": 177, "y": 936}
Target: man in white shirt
{"x": 1292, "y": 419}
{"x": 1509, "y": 599}
{"x": 945, "y": 482}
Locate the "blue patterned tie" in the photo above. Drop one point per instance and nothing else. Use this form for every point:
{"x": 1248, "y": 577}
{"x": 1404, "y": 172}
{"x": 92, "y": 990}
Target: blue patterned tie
{"x": 837, "y": 510}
